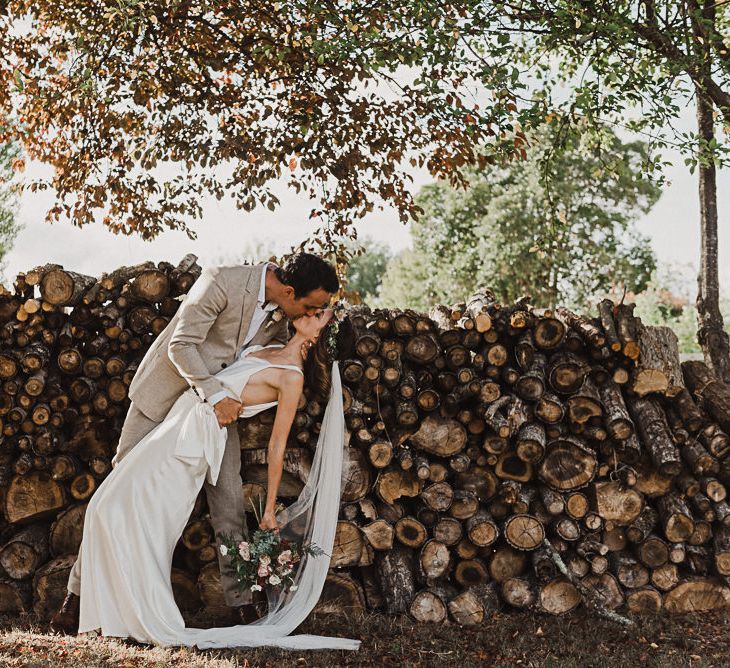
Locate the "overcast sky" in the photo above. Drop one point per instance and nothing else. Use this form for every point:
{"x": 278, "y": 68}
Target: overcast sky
{"x": 225, "y": 233}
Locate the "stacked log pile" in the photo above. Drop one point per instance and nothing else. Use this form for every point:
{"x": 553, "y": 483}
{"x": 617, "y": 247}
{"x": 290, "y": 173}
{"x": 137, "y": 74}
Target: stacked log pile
{"x": 69, "y": 348}
{"x": 489, "y": 446}
{"x": 534, "y": 458}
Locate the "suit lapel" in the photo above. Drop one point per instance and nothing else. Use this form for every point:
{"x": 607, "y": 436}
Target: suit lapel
{"x": 265, "y": 332}
{"x": 268, "y": 331}
{"x": 250, "y": 297}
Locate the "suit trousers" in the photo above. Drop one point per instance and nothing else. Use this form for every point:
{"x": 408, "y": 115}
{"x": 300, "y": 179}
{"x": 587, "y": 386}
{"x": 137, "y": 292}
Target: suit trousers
{"x": 225, "y": 499}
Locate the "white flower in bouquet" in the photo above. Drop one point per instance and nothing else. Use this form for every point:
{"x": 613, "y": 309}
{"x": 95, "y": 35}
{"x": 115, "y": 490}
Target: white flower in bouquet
{"x": 244, "y": 550}
{"x": 293, "y": 587}
{"x": 256, "y": 587}
{"x": 284, "y": 557}
{"x": 274, "y": 580}
{"x": 224, "y": 550}
{"x": 265, "y": 559}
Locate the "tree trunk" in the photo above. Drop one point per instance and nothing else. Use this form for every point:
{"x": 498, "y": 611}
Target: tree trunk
{"x": 710, "y": 333}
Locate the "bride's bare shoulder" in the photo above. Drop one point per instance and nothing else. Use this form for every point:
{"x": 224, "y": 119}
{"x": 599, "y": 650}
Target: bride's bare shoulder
{"x": 290, "y": 378}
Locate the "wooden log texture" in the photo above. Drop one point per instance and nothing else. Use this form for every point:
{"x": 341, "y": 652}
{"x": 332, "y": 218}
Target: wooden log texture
{"x": 659, "y": 368}
{"x": 430, "y": 605}
{"x": 568, "y": 464}
{"x": 652, "y": 424}
{"x": 396, "y": 571}
{"x": 712, "y": 394}
{"x": 475, "y": 605}
{"x": 473, "y": 436}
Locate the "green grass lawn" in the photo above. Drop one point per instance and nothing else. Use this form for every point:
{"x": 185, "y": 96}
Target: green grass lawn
{"x": 511, "y": 639}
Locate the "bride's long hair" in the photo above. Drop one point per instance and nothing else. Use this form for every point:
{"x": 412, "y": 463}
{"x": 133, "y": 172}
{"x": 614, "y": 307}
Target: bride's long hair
{"x": 318, "y": 363}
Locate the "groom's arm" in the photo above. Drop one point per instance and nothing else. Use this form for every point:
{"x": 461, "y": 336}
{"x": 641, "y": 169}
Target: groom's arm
{"x": 198, "y": 312}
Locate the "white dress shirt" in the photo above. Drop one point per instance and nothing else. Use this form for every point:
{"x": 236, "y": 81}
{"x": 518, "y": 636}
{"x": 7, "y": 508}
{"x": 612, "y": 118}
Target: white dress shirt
{"x": 257, "y": 318}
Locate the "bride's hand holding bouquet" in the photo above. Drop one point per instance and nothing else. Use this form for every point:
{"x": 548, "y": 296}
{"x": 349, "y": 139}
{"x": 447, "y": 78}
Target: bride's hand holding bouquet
{"x": 265, "y": 559}
{"x": 268, "y": 521}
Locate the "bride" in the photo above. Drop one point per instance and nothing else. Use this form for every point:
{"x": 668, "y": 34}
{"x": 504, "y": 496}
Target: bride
{"x": 135, "y": 518}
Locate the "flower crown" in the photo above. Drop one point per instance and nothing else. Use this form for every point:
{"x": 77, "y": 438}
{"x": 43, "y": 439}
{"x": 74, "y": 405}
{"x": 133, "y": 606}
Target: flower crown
{"x": 333, "y": 327}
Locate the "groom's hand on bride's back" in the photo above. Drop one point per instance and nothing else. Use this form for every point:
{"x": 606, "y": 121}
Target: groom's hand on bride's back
{"x": 227, "y": 411}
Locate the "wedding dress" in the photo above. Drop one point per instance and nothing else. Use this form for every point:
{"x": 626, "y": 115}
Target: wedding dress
{"x": 137, "y": 515}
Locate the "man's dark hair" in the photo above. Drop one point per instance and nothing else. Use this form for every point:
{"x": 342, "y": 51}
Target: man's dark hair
{"x": 306, "y": 272}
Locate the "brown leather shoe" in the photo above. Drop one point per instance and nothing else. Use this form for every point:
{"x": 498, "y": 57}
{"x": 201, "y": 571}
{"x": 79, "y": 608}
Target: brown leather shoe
{"x": 248, "y": 613}
{"x": 66, "y": 620}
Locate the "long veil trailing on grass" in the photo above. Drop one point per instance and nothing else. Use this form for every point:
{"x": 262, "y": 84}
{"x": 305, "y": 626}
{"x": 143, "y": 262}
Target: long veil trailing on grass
{"x": 311, "y": 518}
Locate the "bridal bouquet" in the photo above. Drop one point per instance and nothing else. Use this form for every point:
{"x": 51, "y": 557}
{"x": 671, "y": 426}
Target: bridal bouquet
{"x": 265, "y": 559}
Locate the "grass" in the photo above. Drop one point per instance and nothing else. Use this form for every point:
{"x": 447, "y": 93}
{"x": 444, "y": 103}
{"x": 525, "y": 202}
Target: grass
{"x": 511, "y": 639}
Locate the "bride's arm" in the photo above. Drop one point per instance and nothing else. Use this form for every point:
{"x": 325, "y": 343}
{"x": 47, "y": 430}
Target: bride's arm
{"x": 289, "y": 393}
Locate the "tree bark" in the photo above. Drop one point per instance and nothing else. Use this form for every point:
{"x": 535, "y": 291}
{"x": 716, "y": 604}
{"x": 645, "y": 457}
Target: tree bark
{"x": 711, "y": 335}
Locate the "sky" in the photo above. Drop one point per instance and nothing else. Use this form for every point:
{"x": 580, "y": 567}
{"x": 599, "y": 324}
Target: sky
{"x": 227, "y": 235}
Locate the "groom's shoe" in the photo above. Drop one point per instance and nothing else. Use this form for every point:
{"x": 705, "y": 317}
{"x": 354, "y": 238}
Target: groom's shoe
{"x": 254, "y": 610}
{"x": 66, "y": 620}
{"x": 248, "y": 613}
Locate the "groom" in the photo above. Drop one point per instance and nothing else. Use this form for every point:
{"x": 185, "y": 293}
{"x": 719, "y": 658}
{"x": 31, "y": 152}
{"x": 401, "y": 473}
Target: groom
{"x": 227, "y": 309}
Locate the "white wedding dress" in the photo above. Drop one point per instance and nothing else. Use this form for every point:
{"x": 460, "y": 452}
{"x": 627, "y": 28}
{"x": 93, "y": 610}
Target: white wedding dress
{"x": 137, "y": 515}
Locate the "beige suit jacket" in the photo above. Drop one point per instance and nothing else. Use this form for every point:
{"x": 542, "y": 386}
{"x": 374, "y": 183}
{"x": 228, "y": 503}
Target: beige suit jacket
{"x": 202, "y": 338}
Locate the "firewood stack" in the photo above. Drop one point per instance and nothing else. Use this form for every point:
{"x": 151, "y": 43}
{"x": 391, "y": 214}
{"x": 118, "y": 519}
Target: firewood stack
{"x": 488, "y": 446}
{"x": 491, "y": 445}
{"x": 69, "y": 348}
